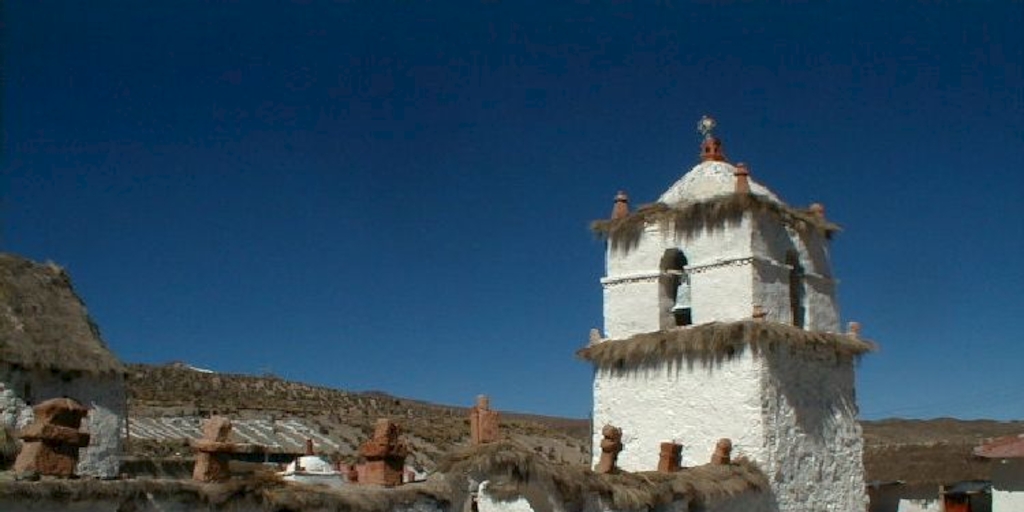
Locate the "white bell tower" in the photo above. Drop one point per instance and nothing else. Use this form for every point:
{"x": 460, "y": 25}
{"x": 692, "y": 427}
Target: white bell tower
{"x": 720, "y": 321}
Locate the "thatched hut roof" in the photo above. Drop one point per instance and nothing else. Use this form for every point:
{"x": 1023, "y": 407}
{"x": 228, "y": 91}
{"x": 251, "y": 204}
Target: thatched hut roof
{"x": 44, "y": 324}
{"x": 687, "y": 219}
{"x": 511, "y": 468}
{"x": 715, "y": 341}
{"x": 261, "y": 491}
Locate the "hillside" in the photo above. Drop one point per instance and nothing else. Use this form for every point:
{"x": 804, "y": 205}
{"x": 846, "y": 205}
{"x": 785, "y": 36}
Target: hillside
{"x": 167, "y": 404}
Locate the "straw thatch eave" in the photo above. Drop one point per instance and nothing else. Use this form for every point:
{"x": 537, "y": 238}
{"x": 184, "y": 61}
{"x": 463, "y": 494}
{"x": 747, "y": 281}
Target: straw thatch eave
{"x": 44, "y": 325}
{"x": 716, "y": 341}
{"x": 688, "y": 219}
{"x": 511, "y": 468}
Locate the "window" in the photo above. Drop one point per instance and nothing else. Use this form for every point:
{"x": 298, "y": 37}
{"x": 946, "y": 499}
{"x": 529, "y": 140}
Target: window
{"x": 796, "y": 288}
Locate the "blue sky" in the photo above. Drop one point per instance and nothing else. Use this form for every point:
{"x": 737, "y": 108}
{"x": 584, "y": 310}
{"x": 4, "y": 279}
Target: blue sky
{"x": 395, "y": 195}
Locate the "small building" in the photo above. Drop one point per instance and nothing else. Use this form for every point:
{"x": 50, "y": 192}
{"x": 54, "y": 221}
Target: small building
{"x": 921, "y": 477}
{"x": 50, "y": 348}
{"x": 1008, "y": 472}
{"x": 720, "y": 321}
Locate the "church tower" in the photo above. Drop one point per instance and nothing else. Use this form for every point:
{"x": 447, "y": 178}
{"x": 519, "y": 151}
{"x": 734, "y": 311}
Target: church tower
{"x": 720, "y": 321}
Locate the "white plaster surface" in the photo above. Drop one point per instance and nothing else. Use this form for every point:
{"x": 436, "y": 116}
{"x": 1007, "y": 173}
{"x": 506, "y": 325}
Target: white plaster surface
{"x": 707, "y": 180}
{"x": 1008, "y": 485}
{"x": 794, "y": 415}
{"x": 813, "y": 443}
{"x": 730, "y": 269}
{"x": 485, "y": 503}
{"x": 920, "y": 506}
{"x": 103, "y": 395}
{"x": 695, "y": 406}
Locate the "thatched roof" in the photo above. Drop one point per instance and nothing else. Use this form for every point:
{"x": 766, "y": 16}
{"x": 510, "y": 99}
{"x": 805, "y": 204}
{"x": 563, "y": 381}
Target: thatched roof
{"x": 44, "y": 324}
{"x": 925, "y": 464}
{"x": 692, "y": 218}
{"x": 715, "y": 341}
{"x": 263, "y": 491}
{"x": 511, "y": 468}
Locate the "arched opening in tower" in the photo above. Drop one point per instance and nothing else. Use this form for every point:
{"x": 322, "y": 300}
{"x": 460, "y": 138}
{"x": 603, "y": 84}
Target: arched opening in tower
{"x": 675, "y": 290}
{"x": 796, "y": 289}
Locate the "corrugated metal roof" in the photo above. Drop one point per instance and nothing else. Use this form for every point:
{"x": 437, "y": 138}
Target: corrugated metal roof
{"x": 1009, "y": 447}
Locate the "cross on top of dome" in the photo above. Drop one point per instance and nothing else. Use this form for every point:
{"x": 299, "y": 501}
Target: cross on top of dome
{"x": 706, "y": 126}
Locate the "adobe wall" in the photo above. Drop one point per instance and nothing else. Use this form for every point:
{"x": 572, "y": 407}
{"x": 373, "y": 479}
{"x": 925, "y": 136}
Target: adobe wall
{"x": 104, "y": 395}
{"x": 720, "y": 271}
{"x": 813, "y": 445}
{"x": 696, "y": 405}
{"x": 792, "y": 412}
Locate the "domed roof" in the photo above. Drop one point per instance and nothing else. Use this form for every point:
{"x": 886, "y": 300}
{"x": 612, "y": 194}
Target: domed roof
{"x": 708, "y": 180}
{"x": 311, "y": 464}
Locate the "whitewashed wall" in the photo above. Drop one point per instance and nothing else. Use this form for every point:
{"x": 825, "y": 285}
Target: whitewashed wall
{"x": 718, "y": 263}
{"x": 1008, "y": 485}
{"x": 914, "y": 505}
{"x": 104, "y": 395}
{"x": 731, "y": 269}
{"x": 813, "y": 443}
{"x": 695, "y": 406}
{"x": 793, "y": 414}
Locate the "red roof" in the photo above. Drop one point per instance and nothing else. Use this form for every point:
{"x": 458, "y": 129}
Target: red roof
{"x": 1009, "y": 447}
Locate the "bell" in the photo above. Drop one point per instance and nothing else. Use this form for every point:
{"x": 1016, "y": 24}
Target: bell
{"x": 682, "y": 297}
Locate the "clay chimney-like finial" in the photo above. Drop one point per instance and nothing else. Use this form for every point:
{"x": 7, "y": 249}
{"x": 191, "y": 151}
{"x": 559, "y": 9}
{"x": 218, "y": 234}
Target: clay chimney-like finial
{"x": 309, "y": 446}
{"x": 853, "y": 329}
{"x": 621, "y": 208}
{"x": 711, "y": 146}
{"x": 742, "y": 174}
{"x": 759, "y": 313}
{"x": 818, "y": 210}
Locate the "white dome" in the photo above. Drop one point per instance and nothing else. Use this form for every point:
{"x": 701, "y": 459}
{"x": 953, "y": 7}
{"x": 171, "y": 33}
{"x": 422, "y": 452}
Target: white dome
{"x": 311, "y": 464}
{"x": 708, "y": 180}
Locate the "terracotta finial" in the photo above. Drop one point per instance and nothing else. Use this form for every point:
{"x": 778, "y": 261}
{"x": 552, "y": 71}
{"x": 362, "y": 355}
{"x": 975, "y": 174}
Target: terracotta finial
{"x": 670, "y": 457}
{"x": 818, "y": 210}
{"x": 742, "y": 174}
{"x": 52, "y": 441}
{"x": 723, "y": 452}
{"x": 711, "y": 146}
{"x": 309, "y": 446}
{"x": 759, "y": 312}
{"x": 853, "y": 329}
{"x": 621, "y": 208}
{"x": 611, "y": 445}
{"x": 483, "y": 422}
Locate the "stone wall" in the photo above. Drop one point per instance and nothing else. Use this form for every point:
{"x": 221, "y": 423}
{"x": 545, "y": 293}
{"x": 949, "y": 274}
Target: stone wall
{"x": 103, "y": 394}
